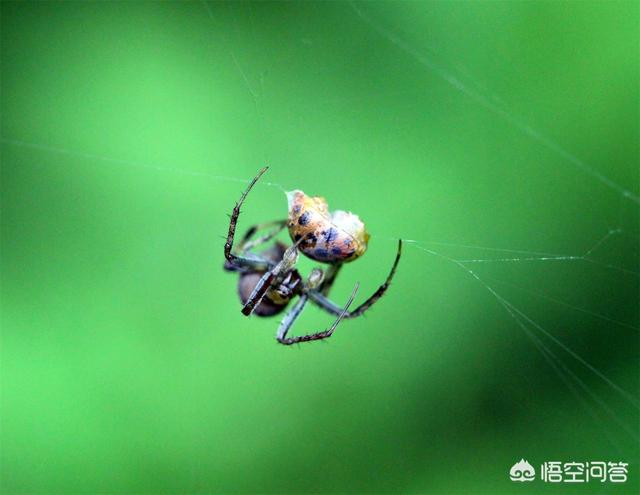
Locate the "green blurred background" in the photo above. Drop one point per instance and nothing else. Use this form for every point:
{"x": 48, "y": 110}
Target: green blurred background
{"x": 126, "y": 366}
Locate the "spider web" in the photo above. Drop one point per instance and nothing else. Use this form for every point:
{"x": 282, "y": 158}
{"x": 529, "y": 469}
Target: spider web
{"x": 501, "y": 272}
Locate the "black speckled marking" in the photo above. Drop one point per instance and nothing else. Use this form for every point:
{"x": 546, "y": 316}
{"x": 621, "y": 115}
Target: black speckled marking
{"x": 330, "y": 235}
{"x": 309, "y": 242}
{"x": 336, "y": 250}
{"x": 304, "y": 218}
{"x": 321, "y": 253}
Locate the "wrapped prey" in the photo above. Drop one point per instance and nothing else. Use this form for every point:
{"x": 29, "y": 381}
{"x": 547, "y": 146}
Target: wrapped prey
{"x": 328, "y": 237}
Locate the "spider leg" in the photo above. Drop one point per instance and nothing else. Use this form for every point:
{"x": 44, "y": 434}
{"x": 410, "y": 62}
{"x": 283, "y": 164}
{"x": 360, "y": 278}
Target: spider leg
{"x": 292, "y": 315}
{"x": 259, "y": 291}
{"x": 247, "y": 244}
{"x": 236, "y": 260}
{"x": 270, "y": 278}
{"x": 320, "y": 299}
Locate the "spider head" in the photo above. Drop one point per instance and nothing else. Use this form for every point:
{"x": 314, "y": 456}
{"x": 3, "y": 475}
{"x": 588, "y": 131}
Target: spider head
{"x": 328, "y": 237}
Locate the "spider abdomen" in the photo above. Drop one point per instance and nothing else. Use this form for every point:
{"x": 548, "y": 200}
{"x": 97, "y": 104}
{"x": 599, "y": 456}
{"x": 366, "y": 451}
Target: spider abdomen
{"x": 267, "y": 307}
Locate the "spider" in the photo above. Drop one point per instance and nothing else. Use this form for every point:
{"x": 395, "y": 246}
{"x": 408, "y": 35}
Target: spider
{"x": 269, "y": 280}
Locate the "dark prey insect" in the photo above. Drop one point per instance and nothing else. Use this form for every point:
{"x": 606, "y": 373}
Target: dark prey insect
{"x": 269, "y": 280}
